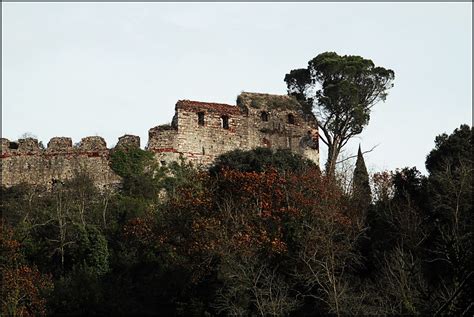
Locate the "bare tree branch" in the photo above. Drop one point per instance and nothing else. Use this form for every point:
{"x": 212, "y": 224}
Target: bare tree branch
{"x": 352, "y": 156}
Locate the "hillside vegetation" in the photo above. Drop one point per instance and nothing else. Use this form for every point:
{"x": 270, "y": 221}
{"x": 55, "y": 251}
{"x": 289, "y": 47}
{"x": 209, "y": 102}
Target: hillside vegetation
{"x": 262, "y": 233}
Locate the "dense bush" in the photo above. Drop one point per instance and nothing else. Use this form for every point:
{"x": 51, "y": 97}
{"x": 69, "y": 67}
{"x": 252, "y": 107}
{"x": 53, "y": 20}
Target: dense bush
{"x": 261, "y": 159}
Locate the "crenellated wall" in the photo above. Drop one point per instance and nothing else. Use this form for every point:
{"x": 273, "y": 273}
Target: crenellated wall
{"x": 199, "y": 132}
{"x": 25, "y": 161}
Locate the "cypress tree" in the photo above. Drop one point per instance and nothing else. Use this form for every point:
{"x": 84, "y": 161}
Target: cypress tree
{"x": 361, "y": 193}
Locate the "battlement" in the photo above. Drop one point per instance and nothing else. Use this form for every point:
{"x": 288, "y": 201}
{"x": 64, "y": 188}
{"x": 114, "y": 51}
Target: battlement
{"x": 25, "y": 161}
{"x": 28, "y": 145}
{"x": 199, "y": 132}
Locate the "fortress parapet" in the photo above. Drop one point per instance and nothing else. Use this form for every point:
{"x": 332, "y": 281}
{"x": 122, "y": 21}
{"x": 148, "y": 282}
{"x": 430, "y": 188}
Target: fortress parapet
{"x": 22, "y": 146}
{"x": 25, "y": 161}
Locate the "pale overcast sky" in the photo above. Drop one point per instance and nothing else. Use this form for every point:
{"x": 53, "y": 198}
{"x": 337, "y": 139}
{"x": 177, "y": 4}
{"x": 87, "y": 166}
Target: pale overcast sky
{"x": 80, "y": 69}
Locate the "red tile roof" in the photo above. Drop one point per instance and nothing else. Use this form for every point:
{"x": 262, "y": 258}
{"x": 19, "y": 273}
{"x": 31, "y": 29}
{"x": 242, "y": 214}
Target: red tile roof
{"x": 211, "y": 106}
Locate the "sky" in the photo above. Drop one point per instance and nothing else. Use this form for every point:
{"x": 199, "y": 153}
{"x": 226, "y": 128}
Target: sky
{"x": 108, "y": 69}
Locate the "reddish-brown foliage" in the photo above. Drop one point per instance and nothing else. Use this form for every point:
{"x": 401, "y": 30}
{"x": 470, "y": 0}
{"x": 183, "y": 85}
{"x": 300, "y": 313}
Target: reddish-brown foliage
{"x": 240, "y": 213}
{"x": 23, "y": 286}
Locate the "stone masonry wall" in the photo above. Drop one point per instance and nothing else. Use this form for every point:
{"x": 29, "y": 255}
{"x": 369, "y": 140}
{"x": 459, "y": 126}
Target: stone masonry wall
{"x": 285, "y": 126}
{"x": 199, "y": 132}
{"x": 162, "y": 140}
{"x": 25, "y": 162}
{"x": 258, "y": 120}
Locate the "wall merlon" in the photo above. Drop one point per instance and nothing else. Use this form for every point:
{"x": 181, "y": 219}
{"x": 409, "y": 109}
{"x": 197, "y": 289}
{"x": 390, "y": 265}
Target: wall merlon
{"x": 28, "y": 145}
{"x": 59, "y": 144}
{"x": 92, "y": 143}
{"x": 128, "y": 141}
{"x": 5, "y": 145}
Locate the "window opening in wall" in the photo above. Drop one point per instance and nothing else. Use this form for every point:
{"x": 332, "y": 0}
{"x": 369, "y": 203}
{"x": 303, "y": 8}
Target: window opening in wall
{"x": 225, "y": 122}
{"x": 200, "y": 118}
{"x": 203, "y": 151}
{"x": 291, "y": 119}
{"x": 264, "y": 116}
{"x": 13, "y": 145}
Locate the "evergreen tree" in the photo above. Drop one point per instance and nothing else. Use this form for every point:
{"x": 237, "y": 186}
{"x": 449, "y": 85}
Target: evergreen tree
{"x": 342, "y": 91}
{"x": 361, "y": 193}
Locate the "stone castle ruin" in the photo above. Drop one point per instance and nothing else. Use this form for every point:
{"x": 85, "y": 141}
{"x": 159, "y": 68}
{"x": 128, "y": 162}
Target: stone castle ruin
{"x": 199, "y": 132}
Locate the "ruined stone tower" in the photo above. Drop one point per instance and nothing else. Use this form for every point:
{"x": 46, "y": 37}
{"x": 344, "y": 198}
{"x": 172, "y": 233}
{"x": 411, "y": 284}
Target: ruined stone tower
{"x": 199, "y": 131}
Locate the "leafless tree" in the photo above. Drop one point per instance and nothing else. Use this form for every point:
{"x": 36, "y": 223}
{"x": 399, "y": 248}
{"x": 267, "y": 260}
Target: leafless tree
{"x": 327, "y": 254}
{"x": 452, "y": 202}
{"x": 402, "y": 281}
{"x": 251, "y": 284}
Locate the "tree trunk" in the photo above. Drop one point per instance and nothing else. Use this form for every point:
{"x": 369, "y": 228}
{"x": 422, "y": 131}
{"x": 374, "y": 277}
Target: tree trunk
{"x": 333, "y": 153}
